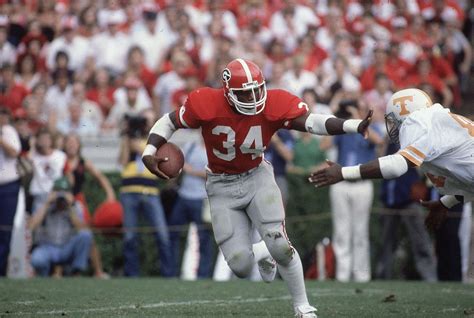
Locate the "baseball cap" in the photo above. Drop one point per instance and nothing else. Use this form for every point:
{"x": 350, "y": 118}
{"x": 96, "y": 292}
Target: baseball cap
{"x": 116, "y": 17}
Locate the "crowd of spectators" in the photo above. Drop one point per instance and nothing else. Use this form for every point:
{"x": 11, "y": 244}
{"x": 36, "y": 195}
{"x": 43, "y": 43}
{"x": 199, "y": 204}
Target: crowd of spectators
{"x": 85, "y": 68}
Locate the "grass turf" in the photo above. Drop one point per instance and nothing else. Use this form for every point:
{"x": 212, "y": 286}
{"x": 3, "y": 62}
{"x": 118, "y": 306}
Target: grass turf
{"x": 83, "y": 297}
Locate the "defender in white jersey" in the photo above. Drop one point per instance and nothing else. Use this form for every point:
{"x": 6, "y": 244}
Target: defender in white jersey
{"x": 431, "y": 137}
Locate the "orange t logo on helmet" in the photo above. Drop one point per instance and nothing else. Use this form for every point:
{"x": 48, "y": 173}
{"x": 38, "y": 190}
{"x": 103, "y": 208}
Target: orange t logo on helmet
{"x": 403, "y": 104}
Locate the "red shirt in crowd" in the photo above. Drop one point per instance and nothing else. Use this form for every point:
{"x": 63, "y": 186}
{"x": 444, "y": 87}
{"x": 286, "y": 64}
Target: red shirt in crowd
{"x": 394, "y": 71}
{"x": 13, "y": 96}
{"x": 103, "y": 97}
{"x": 432, "y": 79}
{"x": 148, "y": 78}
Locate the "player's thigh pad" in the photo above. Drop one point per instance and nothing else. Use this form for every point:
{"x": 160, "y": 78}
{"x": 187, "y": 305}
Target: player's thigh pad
{"x": 220, "y": 203}
{"x": 267, "y": 204}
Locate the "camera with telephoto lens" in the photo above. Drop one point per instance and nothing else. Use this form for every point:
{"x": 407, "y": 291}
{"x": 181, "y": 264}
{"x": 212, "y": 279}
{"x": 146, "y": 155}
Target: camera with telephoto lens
{"x": 62, "y": 187}
{"x": 61, "y": 198}
{"x": 61, "y": 202}
{"x": 135, "y": 126}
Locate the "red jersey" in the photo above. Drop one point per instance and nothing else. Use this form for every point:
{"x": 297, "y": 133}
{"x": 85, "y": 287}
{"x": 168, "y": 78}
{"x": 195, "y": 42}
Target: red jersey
{"x": 234, "y": 142}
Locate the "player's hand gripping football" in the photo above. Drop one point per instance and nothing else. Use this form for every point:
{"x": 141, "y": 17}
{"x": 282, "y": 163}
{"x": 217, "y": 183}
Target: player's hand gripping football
{"x": 363, "y": 128}
{"x": 152, "y": 163}
{"x": 326, "y": 176}
{"x": 437, "y": 214}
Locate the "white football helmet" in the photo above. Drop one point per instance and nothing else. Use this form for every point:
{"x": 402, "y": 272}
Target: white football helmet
{"x": 400, "y": 106}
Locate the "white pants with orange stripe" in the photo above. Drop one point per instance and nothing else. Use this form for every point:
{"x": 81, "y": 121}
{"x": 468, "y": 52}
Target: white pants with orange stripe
{"x": 350, "y": 204}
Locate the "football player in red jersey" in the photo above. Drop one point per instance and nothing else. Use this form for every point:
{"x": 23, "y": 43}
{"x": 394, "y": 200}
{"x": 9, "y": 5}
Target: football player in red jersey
{"x": 237, "y": 124}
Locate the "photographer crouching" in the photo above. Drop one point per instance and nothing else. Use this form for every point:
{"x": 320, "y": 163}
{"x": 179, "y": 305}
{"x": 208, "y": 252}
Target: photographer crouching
{"x": 61, "y": 235}
{"x": 139, "y": 194}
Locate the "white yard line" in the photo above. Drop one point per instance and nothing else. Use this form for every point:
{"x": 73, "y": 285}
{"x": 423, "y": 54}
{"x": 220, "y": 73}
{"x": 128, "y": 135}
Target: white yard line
{"x": 217, "y": 302}
{"x": 156, "y": 305}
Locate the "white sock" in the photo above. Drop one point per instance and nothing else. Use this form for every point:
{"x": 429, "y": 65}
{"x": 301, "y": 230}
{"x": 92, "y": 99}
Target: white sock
{"x": 260, "y": 251}
{"x": 293, "y": 275}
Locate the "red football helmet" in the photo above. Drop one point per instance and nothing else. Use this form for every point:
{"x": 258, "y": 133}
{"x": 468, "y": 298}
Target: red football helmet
{"x": 244, "y": 86}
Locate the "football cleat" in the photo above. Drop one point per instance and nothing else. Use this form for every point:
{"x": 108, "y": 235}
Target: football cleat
{"x": 267, "y": 268}
{"x": 305, "y": 311}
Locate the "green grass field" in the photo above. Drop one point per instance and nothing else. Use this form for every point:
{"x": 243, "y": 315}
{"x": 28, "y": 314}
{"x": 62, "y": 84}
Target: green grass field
{"x": 83, "y": 297}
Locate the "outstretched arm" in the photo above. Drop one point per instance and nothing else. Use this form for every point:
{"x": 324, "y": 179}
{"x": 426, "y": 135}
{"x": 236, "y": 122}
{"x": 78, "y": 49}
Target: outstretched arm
{"x": 438, "y": 210}
{"x": 387, "y": 167}
{"x": 159, "y": 134}
{"x": 103, "y": 181}
{"x": 329, "y": 125}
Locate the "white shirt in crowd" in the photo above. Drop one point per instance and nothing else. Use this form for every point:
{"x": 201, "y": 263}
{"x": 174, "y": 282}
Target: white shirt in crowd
{"x": 228, "y": 20}
{"x": 168, "y": 83}
{"x": 7, "y": 54}
{"x": 122, "y": 107}
{"x": 349, "y": 82}
{"x": 46, "y": 170}
{"x": 303, "y": 17}
{"x": 296, "y": 84}
{"x": 155, "y": 44}
{"x": 110, "y": 51}
{"x": 85, "y": 127}
{"x": 91, "y": 112}
{"x": 77, "y": 50}
{"x": 57, "y": 101}
{"x": 8, "y": 172}
{"x": 104, "y": 15}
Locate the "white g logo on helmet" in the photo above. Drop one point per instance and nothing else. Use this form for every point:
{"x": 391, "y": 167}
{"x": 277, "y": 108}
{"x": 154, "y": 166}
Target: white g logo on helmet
{"x": 226, "y": 75}
{"x": 401, "y": 105}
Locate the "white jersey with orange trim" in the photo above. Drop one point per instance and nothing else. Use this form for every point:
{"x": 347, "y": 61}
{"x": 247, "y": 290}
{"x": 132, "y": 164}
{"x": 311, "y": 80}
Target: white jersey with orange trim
{"x": 442, "y": 145}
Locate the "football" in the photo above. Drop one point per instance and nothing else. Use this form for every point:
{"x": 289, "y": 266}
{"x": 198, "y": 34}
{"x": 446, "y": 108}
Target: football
{"x": 174, "y": 165}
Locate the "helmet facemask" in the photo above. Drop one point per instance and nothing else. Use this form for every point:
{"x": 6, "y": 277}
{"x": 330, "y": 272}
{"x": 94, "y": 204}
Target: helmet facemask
{"x": 250, "y": 99}
{"x": 392, "y": 124}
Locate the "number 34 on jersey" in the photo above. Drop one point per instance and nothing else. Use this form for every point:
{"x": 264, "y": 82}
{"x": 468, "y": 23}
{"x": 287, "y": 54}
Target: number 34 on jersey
{"x": 252, "y": 144}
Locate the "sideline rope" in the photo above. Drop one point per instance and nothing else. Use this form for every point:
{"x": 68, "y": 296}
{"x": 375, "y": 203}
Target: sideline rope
{"x": 289, "y": 220}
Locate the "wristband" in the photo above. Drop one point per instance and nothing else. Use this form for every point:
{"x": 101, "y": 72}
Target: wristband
{"x": 351, "y": 173}
{"x": 449, "y": 201}
{"x": 150, "y": 150}
{"x": 351, "y": 125}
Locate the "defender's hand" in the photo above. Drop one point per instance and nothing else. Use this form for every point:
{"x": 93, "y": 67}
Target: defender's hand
{"x": 437, "y": 214}
{"x": 152, "y": 162}
{"x": 326, "y": 176}
{"x": 363, "y": 128}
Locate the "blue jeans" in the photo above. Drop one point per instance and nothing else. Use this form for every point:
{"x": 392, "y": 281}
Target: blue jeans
{"x": 186, "y": 211}
{"x": 8, "y": 203}
{"x": 75, "y": 253}
{"x": 150, "y": 205}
